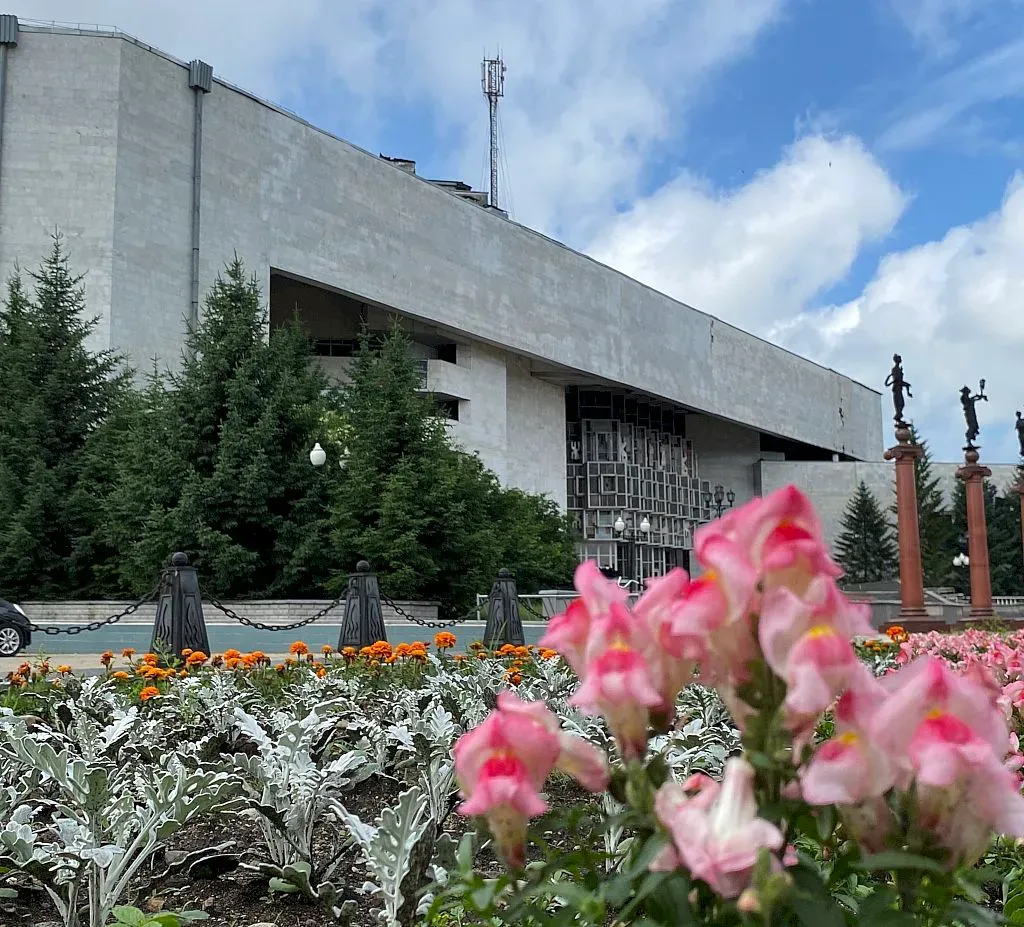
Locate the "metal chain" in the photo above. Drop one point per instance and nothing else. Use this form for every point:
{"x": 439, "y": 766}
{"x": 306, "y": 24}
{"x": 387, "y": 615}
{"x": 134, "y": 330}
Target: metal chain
{"x": 53, "y": 629}
{"x": 424, "y": 623}
{"x": 529, "y": 608}
{"x": 260, "y": 626}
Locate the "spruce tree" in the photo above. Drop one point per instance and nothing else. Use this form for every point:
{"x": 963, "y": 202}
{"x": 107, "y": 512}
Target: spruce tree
{"x": 56, "y": 393}
{"x": 432, "y": 520}
{"x": 865, "y": 547}
{"x": 214, "y": 460}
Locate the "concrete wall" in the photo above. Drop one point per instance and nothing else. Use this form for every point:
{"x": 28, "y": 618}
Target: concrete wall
{"x": 286, "y": 195}
{"x": 831, "y": 485}
{"x": 726, "y": 453}
{"x": 535, "y": 433}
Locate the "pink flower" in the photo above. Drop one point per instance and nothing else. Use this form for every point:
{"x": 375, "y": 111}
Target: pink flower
{"x": 569, "y": 633}
{"x": 716, "y": 834}
{"x": 617, "y": 681}
{"x": 502, "y": 765}
{"x": 806, "y": 642}
{"x": 849, "y": 768}
{"x": 672, "y": 652}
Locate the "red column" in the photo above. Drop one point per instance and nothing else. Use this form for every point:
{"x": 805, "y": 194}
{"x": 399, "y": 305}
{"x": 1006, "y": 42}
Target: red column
{"x": 974, "y": 474}
{"x": 907, "y": 529}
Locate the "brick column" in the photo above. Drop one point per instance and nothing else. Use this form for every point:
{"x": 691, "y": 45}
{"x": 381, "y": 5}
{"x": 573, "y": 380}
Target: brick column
{"x": 908, "y": 531}
{"x": 974, "y": 474}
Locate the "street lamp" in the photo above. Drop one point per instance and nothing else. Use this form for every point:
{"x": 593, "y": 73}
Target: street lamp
{"x": 719, "y": 498}
{"x": 318, "y": 457}
{"x": 962, "y": 559}
{"x": 630, "y": 537}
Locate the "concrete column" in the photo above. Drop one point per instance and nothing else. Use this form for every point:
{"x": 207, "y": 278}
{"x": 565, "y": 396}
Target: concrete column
{"x": 8, "y": 40}
{"x": 200, "y": 81}
{"x": 908, "y": 531}
{"x": 974, "y": 474}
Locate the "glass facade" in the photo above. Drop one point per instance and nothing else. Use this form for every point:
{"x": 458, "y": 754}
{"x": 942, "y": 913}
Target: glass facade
{"x": 629, "y": 462}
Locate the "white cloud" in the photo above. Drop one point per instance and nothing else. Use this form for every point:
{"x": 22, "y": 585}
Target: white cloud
{"x": 754, "y": 255}
{"x": 933, "y": 23}
{"x": 953, "y": 309}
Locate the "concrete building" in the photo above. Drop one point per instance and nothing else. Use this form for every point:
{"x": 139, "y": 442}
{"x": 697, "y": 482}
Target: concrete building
{"x": 567, "y": 377}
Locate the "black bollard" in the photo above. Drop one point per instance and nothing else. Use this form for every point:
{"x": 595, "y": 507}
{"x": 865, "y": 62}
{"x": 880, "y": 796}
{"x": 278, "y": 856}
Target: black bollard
{"x": 179, "y": 621}
{"x": 363, "y": 623}
{"x": 504, "y": 625}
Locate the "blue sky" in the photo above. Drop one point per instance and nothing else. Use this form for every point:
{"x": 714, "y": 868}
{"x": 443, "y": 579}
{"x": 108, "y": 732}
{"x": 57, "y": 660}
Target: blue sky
{"x": 840, "y": 176}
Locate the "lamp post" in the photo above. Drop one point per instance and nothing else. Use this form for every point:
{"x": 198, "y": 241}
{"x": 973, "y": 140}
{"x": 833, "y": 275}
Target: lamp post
{"x": 718, "y": 499}
{"x": 318, "y": 457}
{"x": 630, "y": 536}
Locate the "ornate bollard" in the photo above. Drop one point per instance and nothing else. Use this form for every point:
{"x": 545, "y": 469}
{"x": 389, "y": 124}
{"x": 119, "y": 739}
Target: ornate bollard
{"x": 363, "y": 623}
{"x": 504, "y": 625}
{"x": 180, "y": 624}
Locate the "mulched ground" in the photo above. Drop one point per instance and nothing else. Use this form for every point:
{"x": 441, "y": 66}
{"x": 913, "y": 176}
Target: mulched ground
{"x": 240, "y": 898}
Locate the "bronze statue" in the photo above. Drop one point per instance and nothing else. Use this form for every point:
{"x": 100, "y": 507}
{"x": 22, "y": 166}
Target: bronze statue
{"x": 970, "y": 415}
{"x": 1020, "y": 433}
{"x": 898, "y": 384}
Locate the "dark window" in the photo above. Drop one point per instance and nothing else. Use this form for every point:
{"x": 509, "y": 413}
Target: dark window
{"x": 449, "y": 408}
{"x": 448, "y": 353}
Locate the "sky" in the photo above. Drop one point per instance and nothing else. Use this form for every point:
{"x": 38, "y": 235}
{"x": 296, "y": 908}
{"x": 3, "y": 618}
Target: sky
{"x": 842, "y": 177}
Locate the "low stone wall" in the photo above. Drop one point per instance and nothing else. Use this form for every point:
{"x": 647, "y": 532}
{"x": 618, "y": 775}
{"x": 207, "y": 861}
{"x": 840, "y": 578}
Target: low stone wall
{"x": 266, "y": 611}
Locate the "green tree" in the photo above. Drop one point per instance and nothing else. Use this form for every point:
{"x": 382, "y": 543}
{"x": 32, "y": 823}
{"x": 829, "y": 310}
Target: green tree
{"x": 432, "y": 520}
{"x": 213, "y": 459}
{"x": 865, "y": 547}
{"x": 56, "y": 393}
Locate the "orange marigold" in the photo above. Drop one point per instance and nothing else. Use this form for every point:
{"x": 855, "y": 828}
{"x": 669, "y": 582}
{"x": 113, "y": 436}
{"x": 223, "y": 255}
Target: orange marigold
{"x": 232, "y": 654}
{"x": 150, "y": 659}
{"x": 106, "y": 657}
{"x": 445, "y": 640}
{"x": 459, "y": 657}
{"x": 148, "y": 692}
{"x": 514, "y": 678}
{"x": 128, "y": 652}
{"x": 481, "y": 654}
{"x": 327, "y": 650}
{"x": 63, "y": 669}
{"x": 195, "y": 658}
{"x": 299, "y": 649}
{"x": 16, "y": 679}
{"x": 548, "y": 654}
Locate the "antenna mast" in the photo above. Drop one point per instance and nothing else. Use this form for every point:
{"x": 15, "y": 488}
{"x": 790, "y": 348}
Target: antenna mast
{"x": 493, "y": 82}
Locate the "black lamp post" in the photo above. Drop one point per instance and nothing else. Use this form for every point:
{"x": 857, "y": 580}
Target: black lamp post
{"x": 718, "y": 499}
{"x": 630, "y": 536}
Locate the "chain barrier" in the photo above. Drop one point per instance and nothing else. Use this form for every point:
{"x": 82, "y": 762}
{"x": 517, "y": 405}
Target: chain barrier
{"x": 526, "y": 606}
{"x": 260, "y": 626}
{"x": 53, "y": 629}
{"x": 425, "y": 623}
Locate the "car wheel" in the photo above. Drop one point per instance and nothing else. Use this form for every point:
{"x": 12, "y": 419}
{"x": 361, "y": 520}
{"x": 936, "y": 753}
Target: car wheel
{"x": 10, "y": 641}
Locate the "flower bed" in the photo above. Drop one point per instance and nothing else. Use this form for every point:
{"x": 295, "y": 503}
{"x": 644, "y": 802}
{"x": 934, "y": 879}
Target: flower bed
{"x": 326, "y": 788}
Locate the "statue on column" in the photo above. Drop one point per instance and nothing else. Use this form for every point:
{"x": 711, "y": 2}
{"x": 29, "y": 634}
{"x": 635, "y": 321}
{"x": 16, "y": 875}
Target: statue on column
{"x": 970, "y": 415}
{"x": 898, "y": 384}
{"x": 1020, "y": 433}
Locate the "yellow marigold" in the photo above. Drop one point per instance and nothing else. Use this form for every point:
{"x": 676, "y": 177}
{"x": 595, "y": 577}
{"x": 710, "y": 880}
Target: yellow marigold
{"x": 63, "y": 669}
{"x": 147, "y": 693}
{"x": 445, "y": 640}
{"x": 299, "y": 649}
{"x": 106, "y": 657}
{"x": 128, "y": 652}
{"x": 374, "y": 664}
{"x": 327, "y": 650}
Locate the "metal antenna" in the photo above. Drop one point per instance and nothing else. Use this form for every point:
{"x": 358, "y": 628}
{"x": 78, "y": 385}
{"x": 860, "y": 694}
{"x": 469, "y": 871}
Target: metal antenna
{"x": 493, "y": 81}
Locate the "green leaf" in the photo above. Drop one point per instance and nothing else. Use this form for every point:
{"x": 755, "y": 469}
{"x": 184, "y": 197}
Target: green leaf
{"x": 669, "y": 902}
{"x": 973, "y": 914}
{"x": 283, "y": 887}
{"x": 129, "y": 916}
{"x": 8, "y": 893}
{"x": 1013, "y": 904}
{"x": 896, "y": 860}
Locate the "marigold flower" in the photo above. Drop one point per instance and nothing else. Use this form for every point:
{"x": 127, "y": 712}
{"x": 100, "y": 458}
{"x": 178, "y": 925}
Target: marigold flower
{"x": 546, "y": 653}
{"x": 234, "y": 662}
{"x": 349, "y": 653}
{"x": 514, "y": 678}
{"x": 298, "y": 649}
{"x": 148, "y": 692}
{"x": 128, "y": 652}
{"x": 320, "y": 670}
{"x": 63, "y": 669}
{"x": 232, "y": 654}
{"x": 477, "y": 645}
{"x": 196, "y": 658}
{"x": 445, "y": 640}
{"x": 481, "y": 654}
{"x": 107, "y": 657}
{"x": 327, "y": 650}
{"x": 151, "y": 659}
{"x": 187, "y": 652}
{"x": 280, "y": 667}
{"x": 459, "y": 657}
{"x": 217, "y": 660}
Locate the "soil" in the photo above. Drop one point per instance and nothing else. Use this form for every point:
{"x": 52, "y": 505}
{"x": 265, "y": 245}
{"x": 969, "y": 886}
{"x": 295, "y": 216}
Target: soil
{"x": 241, "y": 897}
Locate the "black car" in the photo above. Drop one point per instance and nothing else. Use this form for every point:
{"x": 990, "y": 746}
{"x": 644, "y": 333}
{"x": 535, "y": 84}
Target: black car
{"x": 15, "y": 633}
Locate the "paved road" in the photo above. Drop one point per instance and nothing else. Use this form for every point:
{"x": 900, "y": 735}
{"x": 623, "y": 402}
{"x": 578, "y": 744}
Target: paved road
{"x": 81, "y": 650}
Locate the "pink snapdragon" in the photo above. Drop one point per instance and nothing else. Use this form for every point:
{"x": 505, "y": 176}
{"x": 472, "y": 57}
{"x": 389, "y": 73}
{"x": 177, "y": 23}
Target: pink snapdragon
{"x": 807, "y": 643}
{"x": 502, "y": 764}
{"x": 716, "y": 833}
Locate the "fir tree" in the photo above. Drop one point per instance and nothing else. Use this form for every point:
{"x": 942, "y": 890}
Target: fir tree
{"x": 56, "y": 392}
{"x": 865, "y": 547}
{"x": 214, "y": 460}
{"x": 431, "y": 519}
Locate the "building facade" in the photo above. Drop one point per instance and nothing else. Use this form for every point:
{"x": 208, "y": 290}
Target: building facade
{"x": 568, "y": 378}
